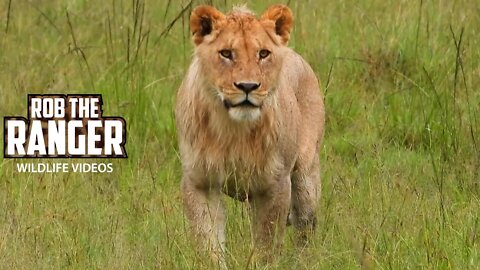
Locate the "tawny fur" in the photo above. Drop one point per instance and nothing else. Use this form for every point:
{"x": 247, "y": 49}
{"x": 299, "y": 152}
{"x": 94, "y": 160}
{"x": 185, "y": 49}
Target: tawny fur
{"x": 271, "y": 158}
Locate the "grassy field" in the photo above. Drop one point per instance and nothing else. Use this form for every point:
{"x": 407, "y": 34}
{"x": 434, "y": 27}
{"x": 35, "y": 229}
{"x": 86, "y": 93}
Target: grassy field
{"x": 401, "y": 155}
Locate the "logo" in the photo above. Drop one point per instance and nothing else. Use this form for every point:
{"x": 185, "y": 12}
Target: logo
{"x": 64, "y": 126}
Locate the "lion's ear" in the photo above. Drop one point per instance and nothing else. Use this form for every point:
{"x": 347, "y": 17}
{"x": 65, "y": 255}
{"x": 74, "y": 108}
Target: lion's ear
{"x": 203, "y": 21}
{"x": 282, "y": 16}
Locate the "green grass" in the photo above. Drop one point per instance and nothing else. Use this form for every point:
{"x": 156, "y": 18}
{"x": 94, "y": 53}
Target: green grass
{"x": 401, "y": 155}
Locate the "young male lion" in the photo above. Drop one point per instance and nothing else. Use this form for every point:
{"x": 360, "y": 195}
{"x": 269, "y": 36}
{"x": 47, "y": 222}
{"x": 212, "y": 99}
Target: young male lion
{"x": 250, "y": 119}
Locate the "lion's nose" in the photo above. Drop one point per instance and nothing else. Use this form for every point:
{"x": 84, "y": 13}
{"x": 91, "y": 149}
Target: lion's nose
{"x": 247, "y": 87}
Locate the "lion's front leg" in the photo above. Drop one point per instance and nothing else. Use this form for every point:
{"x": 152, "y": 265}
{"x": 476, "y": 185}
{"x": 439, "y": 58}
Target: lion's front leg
{"x": 270, "y": 210}
{"x": 204, "y": 209}
{"x": 306, "y": 188}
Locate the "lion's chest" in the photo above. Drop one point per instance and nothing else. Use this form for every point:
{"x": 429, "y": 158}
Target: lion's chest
{"x": 239, "y": 155}
{"x": 240, "y": 178}
{"x": 223, "y": 145}
{"x": 245, "y": 167}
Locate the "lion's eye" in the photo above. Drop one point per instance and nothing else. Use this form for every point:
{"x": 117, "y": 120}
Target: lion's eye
{"x": 226, "y": 53}
{"x": 263, "y": 53}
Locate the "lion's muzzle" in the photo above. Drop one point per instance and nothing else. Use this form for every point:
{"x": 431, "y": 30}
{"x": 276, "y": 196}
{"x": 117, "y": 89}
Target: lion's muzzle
{"x": 244, "y": 108}
{"x": 244, "y": 102}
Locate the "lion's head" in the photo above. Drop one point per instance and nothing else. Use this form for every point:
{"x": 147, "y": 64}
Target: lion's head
{"x": 241, "y": 55}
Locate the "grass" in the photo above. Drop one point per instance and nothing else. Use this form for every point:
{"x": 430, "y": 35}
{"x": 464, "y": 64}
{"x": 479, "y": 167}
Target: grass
{"x": 401, "y": 155}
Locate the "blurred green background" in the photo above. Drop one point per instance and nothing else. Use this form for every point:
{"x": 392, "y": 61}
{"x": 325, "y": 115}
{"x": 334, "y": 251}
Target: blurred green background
{"x": 401, "y": 155}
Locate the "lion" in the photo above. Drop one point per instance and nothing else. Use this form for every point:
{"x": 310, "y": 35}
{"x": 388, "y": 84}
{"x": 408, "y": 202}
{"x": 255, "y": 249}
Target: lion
{"x": 250, "y": 120}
